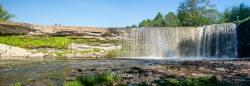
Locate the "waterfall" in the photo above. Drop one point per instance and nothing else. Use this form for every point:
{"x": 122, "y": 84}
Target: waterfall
{"x": 217, "y": 40}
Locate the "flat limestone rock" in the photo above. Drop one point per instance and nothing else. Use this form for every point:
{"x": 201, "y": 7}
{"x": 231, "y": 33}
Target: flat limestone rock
{"x": 11, "y": 51}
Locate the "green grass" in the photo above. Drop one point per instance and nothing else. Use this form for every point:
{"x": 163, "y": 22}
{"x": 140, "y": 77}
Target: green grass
{"x": 30, "y": 42}
{"x": 93, "y": 42}
{"x": 100, "y": 79}
{"x": 31, "y": 80}
{"x": 60, "y": 53}
{"x": 114, "y": 53}
{"x": 17, "y": 84}
{"x": 84, "y": 51}
{"x": 74, "y": 83}
{"x": 201, "y": 81}
{"x": 96, "y": 50}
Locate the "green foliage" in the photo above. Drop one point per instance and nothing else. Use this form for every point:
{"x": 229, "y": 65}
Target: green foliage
{"x": 63, "y": 52}
{"x": 201, "y": 81}
{"x": 133, "y": 26}
{"x": 93, "y": 80}
{"x": 241, "y": 21}
{"x": 192, "y": 19}
{"x": 171, "y": 20}
{"x": 197, "y": 13}
{"x": 114, "y": 53}
{"x": 32, "y": 42}
{"x": 4, "y": 14}
{"x": 237, "y": 13}
{"x": 146, "y": 23}
{"x": 49, "y": 83}
{"x": 74, "y": 83}
{"x": 60, "y": 53}
{"x": 31, "y": 80}
{"x": 93, "y": 42}
{"x": 190, "y": 13}
{"x": 84, "y": 51}
{"x": 35, "y": 41}
{"x": 97, "y": 50}
{"x": 158, "y": 21}
{"x": 17, "y": 84}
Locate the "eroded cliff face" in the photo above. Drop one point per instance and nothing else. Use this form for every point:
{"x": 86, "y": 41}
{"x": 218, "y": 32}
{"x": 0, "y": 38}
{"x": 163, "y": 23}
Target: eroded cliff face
{"x": 17, "y": 28}
{"x": 243, "y": 33}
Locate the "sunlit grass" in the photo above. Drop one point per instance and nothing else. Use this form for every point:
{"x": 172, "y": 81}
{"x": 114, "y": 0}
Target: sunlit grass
{"x": 31, "y": 42}
{"x": 99, "y": 79}
{"x": 17, "y": 84}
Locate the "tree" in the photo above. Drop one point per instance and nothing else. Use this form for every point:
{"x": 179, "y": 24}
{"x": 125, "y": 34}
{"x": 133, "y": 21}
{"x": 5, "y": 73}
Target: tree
{"x": 196, "y": 13}
{"x": 158, "y": 21}
{"x": 4, "y": 14}
{"x": 239, "y": 12}
{"x": 171, "y": 20}
{"x": 236, "y": 13}
{"x": 146, "y": 23}
{"x": 133, "y": 26}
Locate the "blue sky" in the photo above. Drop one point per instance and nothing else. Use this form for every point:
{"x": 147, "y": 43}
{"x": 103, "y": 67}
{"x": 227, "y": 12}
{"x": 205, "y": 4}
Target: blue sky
{"x": 95, "y": 13}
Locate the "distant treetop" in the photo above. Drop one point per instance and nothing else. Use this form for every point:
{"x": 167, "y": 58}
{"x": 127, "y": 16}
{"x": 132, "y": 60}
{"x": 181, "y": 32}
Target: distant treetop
{"x": 4, "y": 14}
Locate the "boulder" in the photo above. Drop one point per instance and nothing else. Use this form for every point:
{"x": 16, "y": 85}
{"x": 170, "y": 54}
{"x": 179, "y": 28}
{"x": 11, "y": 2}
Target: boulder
{"x": 11, "y": 51}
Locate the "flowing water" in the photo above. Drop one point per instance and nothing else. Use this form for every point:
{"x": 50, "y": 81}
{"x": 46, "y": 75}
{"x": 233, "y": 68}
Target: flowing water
{"x": 218, "y": 40}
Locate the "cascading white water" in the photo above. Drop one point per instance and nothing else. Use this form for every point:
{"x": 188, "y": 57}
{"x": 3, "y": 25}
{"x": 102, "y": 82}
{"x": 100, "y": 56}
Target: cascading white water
{"x": 218, "y": 40}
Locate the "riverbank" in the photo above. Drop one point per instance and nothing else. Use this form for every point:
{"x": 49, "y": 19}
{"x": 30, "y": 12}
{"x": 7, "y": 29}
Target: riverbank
{"x": 33, "y": 46}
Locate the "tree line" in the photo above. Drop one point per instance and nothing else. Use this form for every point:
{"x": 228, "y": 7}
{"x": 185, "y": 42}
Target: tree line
{"x": 197, "y": 13}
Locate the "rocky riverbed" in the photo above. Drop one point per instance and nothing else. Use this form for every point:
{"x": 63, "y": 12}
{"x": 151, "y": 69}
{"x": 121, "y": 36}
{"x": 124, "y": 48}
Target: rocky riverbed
{"x": 236, "y": 72}
{"x": 56, "y": 71}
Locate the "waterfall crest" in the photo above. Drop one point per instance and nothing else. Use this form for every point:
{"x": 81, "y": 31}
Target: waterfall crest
{"x": 217, "y": 40}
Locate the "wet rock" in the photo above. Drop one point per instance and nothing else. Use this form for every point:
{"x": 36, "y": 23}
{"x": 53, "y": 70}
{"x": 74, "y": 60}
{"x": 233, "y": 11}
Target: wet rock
{"x": 11, "y": 51}
{"x": 105, "y": 45}
{"x": 220, "y": 69}
{"x": 243, "y": 36}
{"x": 70, "y": 78}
